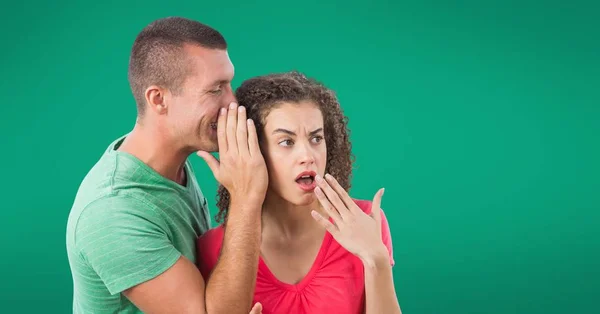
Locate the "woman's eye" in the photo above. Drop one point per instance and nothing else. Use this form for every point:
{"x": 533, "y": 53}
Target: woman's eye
{"x": 286, "y": 143}
{"x": 317, "y": 139}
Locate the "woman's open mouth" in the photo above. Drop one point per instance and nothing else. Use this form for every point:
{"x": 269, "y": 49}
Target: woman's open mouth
{"x": 306, "y": 181}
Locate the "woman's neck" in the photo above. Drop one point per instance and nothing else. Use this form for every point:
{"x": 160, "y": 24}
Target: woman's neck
{"x": 287, "y": 220}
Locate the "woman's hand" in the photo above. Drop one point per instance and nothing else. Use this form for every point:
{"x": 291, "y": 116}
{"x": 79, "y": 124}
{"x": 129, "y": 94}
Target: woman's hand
{"x": 360, "y": 234}
{"x": 356, "y": 231}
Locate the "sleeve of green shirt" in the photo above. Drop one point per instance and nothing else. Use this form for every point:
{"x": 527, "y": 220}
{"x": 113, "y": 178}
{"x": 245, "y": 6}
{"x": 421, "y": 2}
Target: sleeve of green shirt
{"x": 125, "y": 241}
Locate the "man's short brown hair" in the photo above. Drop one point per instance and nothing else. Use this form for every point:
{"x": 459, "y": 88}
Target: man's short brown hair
{"x": 157, "y": 56}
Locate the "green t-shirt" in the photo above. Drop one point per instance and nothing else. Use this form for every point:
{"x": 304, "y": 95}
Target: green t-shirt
{"x": 129, "y": 224}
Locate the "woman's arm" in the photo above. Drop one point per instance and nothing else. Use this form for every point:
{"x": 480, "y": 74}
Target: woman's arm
{"x": 379, "y": 285}
{"x": 379, "y": 281}
{"x": 361, "y": 235}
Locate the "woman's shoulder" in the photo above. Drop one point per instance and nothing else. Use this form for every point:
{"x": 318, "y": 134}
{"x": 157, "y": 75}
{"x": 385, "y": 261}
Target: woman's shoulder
{"x": 208, "y": 247}
{"x": 212, "y": 237}
{"x": 209, "y": 244}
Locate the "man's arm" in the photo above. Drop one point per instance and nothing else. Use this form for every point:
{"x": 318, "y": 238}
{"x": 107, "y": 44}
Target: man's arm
{"x": 124, "y": 241}
{"x": 180, "y": 289}
{"x": 232, "y": 281}
{"x": 242, "y": 171}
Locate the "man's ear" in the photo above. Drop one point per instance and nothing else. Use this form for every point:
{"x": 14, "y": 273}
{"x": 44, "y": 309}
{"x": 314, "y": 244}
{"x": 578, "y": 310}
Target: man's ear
{"x": 155, "y": 98}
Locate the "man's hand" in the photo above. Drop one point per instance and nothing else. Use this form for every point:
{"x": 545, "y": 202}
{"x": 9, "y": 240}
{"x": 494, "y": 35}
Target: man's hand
{"x": 241, "y": 169}
{"x": 243, "y": 172}
{"x": 356, "y": 231}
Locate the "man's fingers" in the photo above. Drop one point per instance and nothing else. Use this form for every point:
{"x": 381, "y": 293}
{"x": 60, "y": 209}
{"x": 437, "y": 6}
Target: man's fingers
{"x": 253, "y": 146}
{"x": 241, "y": 132}
{"x": 376, "y": 206}
{"x": 256, "y": 309}
{"x": 324, "y": 222}
{"x": 222, "y": 130}
{"x": 342, "y": 194}
{"x": 212, "y": 162}
{"x": 332, "y": 212}
{"x": 332, "y": 196}
{"x": 231, "y": 127}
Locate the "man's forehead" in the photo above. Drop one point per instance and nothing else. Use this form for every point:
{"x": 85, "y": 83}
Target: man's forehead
{"x": 213, "y": 64}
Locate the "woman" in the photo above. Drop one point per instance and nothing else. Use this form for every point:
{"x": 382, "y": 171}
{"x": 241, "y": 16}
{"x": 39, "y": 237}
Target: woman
{"x": 321, "y": 251}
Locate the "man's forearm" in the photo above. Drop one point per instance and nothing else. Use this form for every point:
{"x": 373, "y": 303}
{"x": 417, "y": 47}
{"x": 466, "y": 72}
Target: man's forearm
{"x": 230, "y": 288}
{"x": 379, "y": 287}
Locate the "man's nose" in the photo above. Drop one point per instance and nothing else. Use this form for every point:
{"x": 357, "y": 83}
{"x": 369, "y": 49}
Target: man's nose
{"x": 229, "y": 97}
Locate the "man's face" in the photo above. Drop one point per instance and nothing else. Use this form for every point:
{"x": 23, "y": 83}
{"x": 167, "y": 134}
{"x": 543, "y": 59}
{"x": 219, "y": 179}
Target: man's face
{"x": 192, "y": 114}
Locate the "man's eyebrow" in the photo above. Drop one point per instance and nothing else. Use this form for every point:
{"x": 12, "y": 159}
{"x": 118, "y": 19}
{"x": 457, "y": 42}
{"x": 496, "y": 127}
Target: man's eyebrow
{"x": 218, "y": 82}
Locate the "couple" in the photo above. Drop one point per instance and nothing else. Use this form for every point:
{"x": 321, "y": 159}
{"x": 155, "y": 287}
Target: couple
{"x": 291, "y": 239}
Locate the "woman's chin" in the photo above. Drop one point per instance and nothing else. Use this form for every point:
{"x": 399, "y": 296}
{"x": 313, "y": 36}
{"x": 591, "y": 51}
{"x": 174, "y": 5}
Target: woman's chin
{"x": 305, "y": 200}
{"x": 298, "y": 199}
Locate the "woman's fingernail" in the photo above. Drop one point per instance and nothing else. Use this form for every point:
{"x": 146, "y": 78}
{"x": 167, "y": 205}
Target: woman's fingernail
{"x": 318, "y": 179}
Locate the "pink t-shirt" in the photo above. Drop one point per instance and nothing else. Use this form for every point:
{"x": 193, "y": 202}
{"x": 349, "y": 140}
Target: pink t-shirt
{"x": 334, "y": 284}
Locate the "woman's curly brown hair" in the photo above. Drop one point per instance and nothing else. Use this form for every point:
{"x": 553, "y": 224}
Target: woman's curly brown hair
{"x": 262, "y": 94}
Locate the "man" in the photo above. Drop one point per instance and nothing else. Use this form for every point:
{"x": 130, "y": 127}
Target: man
{"x": 132, "y": 230}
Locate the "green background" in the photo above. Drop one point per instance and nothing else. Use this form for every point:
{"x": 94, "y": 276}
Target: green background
{"x": 481, "y": 119}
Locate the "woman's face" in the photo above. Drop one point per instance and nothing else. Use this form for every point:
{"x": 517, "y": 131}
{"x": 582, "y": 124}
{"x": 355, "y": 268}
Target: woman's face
{"x": 295, "y": 151}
